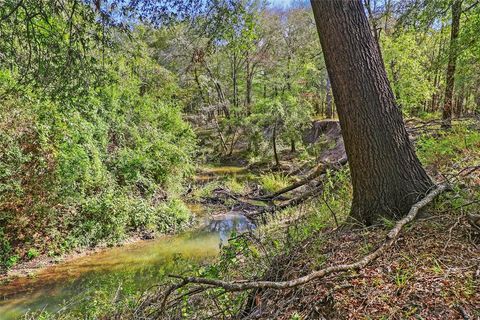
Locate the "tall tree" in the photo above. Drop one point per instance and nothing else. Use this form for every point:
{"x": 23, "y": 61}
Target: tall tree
{"x": 387, "y": 176}
{"x": 452, "y": 64}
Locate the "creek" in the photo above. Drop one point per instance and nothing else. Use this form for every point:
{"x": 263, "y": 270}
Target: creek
{"x": 88, "y": 282}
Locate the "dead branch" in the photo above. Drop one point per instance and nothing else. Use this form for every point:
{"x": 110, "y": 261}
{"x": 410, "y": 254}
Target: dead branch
{"x": 319, "y": 170}
{"x": 242, "y": 285}
{"x": 292, "y": 202}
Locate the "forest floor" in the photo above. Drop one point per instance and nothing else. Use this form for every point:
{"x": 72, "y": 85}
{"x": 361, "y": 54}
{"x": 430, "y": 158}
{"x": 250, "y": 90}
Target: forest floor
{"x": 432, "y": 272}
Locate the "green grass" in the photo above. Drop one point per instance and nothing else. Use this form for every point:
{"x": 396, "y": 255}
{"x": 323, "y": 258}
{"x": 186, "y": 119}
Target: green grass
{"x": 236, "y": 186}
{"x": 460, "y": 145}
{"x": 272, "y": 182}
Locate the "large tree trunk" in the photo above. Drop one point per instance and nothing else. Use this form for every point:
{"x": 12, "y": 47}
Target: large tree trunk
{"x": 452, "y": 64}
{"x": 387, "y": 176}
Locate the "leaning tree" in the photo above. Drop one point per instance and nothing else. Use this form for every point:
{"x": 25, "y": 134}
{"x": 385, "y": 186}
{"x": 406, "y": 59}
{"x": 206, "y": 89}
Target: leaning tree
{"x": 387, "y": 176}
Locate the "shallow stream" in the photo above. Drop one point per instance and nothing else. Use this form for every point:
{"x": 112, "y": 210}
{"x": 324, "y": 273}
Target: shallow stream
{"x": 85, "y": 283}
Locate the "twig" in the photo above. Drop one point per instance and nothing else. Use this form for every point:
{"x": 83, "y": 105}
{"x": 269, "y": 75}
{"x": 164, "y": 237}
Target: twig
{"x": 331, "y": 211}
{"x": 462, "y": 311}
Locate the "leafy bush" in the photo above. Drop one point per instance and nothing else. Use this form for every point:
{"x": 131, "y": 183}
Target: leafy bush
{"x": 90, "y": 170}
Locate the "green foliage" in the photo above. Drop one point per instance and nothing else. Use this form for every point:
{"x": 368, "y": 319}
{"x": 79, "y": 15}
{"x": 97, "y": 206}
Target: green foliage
{"x": 461, "y": 144}
{"x": 406, "y": 62}
{"x": 236, "y": 186}
{"x": 272, "y": 182}
{"x": 205, "y": 190}
{"x": 5, "y": 251}
{"x": 402, "y": 277}
{"x": 287, "y": 116}
{"x": 93, "y": 166}
{"x": 295, "y": 316}
{"x": 53, "y": 47}
{"x": 32, "y": 253}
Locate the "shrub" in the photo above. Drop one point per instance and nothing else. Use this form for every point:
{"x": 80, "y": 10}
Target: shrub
{"x": 88, "y": 173}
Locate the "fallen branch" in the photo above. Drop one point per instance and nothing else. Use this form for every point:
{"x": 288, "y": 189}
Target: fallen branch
{"x": 292, "y": 202}
{"x": 390, "y": 239}
{"x": 321, "y": 169}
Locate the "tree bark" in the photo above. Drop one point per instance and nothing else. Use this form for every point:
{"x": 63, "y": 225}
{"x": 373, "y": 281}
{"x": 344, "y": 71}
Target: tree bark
{"x": 452, "y": 64}
{"x": 234, "y": 80}
{"x": 274, "y": 142}
{"x": 249, "y": 83}
{"x": 329, "y": 102}
{"x": 387, "y": 176}
{"x": 437, "y": 65}
{"x": 459, "y": 102}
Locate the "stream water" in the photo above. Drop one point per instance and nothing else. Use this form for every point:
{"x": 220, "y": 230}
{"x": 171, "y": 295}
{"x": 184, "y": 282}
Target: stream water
{"x": 88, "y": 281}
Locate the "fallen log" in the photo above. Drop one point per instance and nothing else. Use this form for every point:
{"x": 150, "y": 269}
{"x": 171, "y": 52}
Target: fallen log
{"x": 319, "y": 170}
{"x": 292, "y": 202}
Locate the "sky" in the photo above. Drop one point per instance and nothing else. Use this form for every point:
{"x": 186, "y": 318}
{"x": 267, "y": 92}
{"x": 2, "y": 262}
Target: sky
{"x": 280, "y": 3}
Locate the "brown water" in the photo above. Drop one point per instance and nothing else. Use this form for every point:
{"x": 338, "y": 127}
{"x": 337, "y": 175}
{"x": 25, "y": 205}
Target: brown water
{"x": 93, "y": 282}
{"x": 129, "y": 269}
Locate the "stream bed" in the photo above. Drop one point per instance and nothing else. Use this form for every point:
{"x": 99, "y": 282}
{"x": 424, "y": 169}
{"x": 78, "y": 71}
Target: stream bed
{"x": 89, "y": 282}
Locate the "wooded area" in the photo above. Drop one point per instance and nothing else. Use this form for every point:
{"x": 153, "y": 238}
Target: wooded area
{"x": 330, "y": 148}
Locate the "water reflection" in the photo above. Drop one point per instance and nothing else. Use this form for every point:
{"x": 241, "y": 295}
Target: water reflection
{"x": 225, "y": 223}
{"x": 117, "y": 272}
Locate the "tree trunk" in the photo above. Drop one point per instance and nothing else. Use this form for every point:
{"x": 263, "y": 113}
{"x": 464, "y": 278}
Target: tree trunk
{"x": 234, "y": 80}
{"x": 373, "y": 22}
{"x": 433, "y": 105}
{"x": 328, "y": 98}
{"x": 437, "y": 65}
{"x": 452, "y": 64}
{"x": 274, "y": 142}
{"x": 199, "y": 86}
{"x": 388, "y": 8}
{"x": 288, "y": 75}
{"x": 395, "y": 79}
{"x": 224, "y": 105}
{"x": 459, "y": 102}
{"x": 387, "y": 176}
{"x": 249, "y": 83}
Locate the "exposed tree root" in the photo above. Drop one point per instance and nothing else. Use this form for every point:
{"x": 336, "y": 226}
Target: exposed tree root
{"x": 242, "y": 285}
